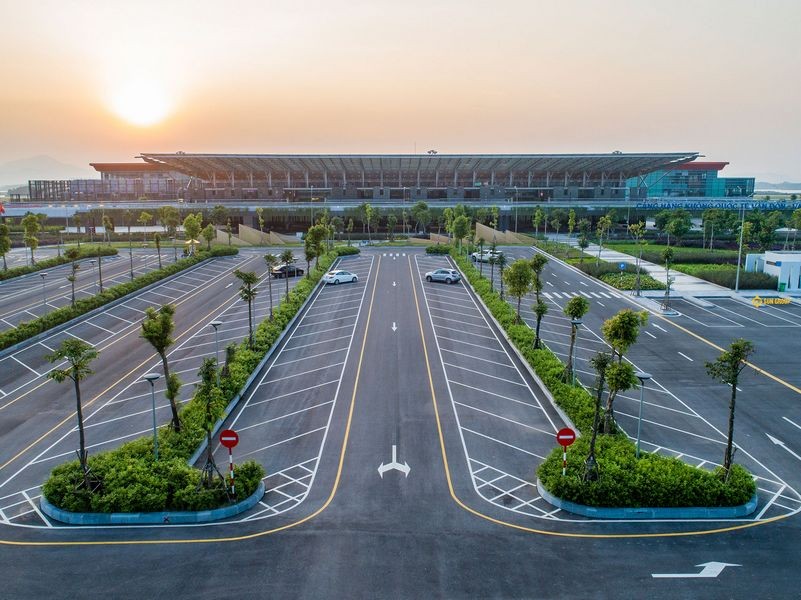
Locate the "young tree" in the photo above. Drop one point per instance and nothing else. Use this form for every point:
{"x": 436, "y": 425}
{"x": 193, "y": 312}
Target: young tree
{"x": 349, "y": 229}
{"x": 727, "y": 368}
{"x": 538, "y": 262}
{"x": 667, "y": 258}
{"x": 260, "y": 218}
{"x": 5, "y": 243}
{"x": 537, "y": 219}
{"x": 73, "y": 254}
{"x": 78, "y": 355}
{"x": 192, "y": 225}
{"x": 108, "y": 228}
{"x": 461, "y": 228}
{"x": 583, "y": 244}
{"x": 575, "y": 309}
{"x": 622, "y": 330}
{"x": 392, "y": 221}
{"x": 272, "y": 261}
{"x": 447, "y": 219}
{"x": 795, "y": 220}
{"x": 492, "y": 261}
{"x": 309, "y": 253}
{"x": 288, "y": 259}
{"x": 219, "y": 215}
{"x": 144, "y": 220}
{"x": 422, "y": 215}
{"x": 209, "y": 233}
{"x": 31, "y": 226}
{"x": 620, "y": 377}
{"x": 362, "y": 212}
{"x": 540, "y": 310}
{"x": 502, "y": 262}
{"x": 315, "y": 242}
{"x": 209, "y": 394}
{"x": 637, "y": 231}
{"x": 481, "y": 254}
{"x": 571, "y": 222}
{"x": 157, "y": 329}
{"x": 600, "y": 363}
{"x": 248, "y": 293}
{"x": 157, "y": 240}
{"x": 170, "y": 218}
{"x": 603, "y": 227}
{"x": 338, "y": 226}
{"x": 369, "y": 217}
{"x": 519, "y": 279}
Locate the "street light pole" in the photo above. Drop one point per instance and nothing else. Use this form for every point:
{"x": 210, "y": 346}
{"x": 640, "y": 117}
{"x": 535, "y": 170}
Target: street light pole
{"x": 740, "y": 251}
{"x": 151, "y": 378}
{"x": 575, "y": 323}
{"x": 643, "y": 377}
{"x": 216, "y": 324}
{"x": 44, "y": 293}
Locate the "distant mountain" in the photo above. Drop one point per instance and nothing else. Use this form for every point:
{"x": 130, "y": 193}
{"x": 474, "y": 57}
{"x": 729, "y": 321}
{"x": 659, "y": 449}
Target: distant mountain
{"x": 18, "y": 172}
{"x": 784, "y": 185}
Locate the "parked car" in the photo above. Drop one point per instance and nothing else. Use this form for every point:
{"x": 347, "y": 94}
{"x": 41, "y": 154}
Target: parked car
{"x": 486, "y": 255}
{"x": 286, "y": 270}
{"x": 337, "y": 277}
{"x": 446, "y": 275}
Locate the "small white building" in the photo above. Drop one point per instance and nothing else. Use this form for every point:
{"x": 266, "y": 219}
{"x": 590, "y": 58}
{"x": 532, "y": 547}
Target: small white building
{"x": 783, "y": 264}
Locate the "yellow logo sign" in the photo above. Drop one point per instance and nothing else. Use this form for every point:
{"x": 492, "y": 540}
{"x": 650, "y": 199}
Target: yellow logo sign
{"x": 757, "y": 301}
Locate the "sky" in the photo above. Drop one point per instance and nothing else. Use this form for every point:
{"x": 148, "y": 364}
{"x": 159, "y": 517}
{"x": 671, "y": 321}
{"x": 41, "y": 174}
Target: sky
{"x": 89, "y": 81}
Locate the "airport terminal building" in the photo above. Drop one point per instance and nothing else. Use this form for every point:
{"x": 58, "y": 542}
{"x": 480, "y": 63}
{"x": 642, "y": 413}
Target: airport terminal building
{"x": 386, "y": 177}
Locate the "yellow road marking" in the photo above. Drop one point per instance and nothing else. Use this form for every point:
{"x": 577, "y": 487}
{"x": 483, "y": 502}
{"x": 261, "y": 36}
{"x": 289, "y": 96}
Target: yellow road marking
{"x": 259, "y": 533}
{"x": 531, "y": 529}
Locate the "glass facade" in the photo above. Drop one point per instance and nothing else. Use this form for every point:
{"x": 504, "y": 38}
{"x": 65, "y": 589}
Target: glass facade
{"x": 692, "y": 180}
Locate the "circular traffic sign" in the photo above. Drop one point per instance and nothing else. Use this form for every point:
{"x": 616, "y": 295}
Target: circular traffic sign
{"x": 622, "y": 266}
{"x": 229, "y": 438}
{"x": 565, "y": 436}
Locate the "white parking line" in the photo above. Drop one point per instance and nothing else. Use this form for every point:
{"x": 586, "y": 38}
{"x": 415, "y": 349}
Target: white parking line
{"x": 687, "y": 357}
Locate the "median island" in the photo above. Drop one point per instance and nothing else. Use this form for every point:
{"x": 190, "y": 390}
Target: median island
{"x": 604, "y": 467}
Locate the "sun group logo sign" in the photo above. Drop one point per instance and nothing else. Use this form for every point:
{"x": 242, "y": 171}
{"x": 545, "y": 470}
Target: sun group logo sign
{"x": 724, "y": 204}
{"x": 758, "y": 302}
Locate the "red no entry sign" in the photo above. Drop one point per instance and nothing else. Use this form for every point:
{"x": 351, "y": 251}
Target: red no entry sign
{"x": 229, "y": 438}
{"x": 565, "y": 436}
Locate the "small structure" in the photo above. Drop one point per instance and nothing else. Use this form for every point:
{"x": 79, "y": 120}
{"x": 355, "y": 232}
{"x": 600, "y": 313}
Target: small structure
{"x": 783, "y": 264}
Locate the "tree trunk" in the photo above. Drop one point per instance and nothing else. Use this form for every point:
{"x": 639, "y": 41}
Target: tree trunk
{"x": 569, "y": 368}
{"x": 730, "y": 438}
{"x": 519, "y": 299}
{"x": 5, "y": 266}
{"x": 286, "y": 276}
{"x": 100, "y": 271}
{"x": 270, "y": 291}
{"x": 81, "y": 435}
{"x": 609, "y": 413}
{"x": 176, "y": 422}
{"x": 250, "y": 323}
{"x": 158, "y": 250}
{"x": 537, "y": 333}
{"x": 591, "y": 466}
{"x": 492, "y": 275}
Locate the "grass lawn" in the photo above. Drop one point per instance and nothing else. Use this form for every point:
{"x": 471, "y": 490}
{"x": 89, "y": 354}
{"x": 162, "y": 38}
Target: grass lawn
{"x": 632, "y": 249}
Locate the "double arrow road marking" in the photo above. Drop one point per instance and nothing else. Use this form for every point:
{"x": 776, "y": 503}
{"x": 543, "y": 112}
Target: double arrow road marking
{"x": 402, "y": 467}
{"x": 709, "y": 569}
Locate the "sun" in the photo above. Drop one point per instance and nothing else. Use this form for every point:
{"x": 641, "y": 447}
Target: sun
{"x": 141, "y": 103}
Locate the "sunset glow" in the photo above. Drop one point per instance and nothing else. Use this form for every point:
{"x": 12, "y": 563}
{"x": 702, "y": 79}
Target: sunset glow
{"x": 140, "y": 103}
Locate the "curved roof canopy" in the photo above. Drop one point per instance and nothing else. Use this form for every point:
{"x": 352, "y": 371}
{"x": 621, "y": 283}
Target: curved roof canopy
{"x": 614, "y": 164}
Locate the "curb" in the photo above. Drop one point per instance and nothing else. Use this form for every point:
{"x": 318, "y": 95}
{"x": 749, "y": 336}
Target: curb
{"x": 645, "y": 513}
{"x": 182, "y": 517}
{"x": 95, "y": 311}
{"x": 257, "y": 370}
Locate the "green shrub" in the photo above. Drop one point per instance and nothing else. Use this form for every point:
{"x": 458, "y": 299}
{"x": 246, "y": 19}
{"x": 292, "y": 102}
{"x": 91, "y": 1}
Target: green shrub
{"x": 628, "y": 281}
{"x": 726, "y": 275}
{"x": 346, "y": 250}
{"x": 653, "y": 481}
{"x": 439, "y": 249}
{"x": 132, "y": 481}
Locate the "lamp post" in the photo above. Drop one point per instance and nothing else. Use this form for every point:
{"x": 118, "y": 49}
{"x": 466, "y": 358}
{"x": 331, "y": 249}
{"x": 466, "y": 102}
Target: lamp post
{"x": 643, "y": 377}
{"x": 575, "y": 323}
{"x": 216, "y": 324}
{"x": 44, "y": 293}
{"x": 740, "y": 251}
{"x": 516, "y": 200}
{"x": 93, "y": 263}
{"x": 151, "y": 378}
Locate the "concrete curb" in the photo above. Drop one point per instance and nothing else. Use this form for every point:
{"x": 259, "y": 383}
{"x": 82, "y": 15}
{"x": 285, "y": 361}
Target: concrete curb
{"x": 254, "y": 374}
{"x": 95, "y": 311}
{"x": 689, "y": 512}
{"x": 562, "y": 414}
{"x": 152, "y": 518}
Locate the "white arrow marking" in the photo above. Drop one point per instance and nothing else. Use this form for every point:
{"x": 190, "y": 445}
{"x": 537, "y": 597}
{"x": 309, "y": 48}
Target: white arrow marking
{"x": 710, "y": 569}
{"x": 394, "y": 327}
{"x": 403, "y": 468}
{"x": 229, "y": 285}
{"x": 782, "y": 444}
{"x": 658, "y": 327}
{"x": 393, "y": 284}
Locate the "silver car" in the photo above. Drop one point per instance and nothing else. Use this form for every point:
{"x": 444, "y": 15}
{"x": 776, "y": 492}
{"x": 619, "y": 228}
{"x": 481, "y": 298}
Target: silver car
{"x": 446, "y": 275}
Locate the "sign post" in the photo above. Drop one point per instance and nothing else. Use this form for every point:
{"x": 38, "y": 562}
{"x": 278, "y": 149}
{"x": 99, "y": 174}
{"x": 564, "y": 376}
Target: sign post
{"x": 622, "y": 267}
{"x": 230, "y": 438}
{"x": 565, "y": 437}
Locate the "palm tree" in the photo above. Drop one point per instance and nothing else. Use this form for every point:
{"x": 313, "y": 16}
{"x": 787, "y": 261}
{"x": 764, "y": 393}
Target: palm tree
{"x": 157, "y": 239}
{"x": 73, "y": 254}
{"x": 288, "y": 259}
{"x": 576, "y": 308}
{"x": 248, "y": 293}
{"x": 271, "y": 260}
{"x": 157, "y": 328}
{"x": 78, "y": 355}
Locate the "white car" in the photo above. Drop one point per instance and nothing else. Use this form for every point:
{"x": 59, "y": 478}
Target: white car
{"x": 337, "y": 277}
{"x": 486, "y": 256}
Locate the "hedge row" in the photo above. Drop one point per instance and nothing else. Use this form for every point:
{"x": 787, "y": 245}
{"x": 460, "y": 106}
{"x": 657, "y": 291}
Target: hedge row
{"x": 658, "y": 481}
{"x": 27, "y": 329}
{"x": 726, "y": 276}
{"x": 86, "y": 251}
{"x": 132, "y": 481}
{"x": 438, "y": 249}
{"x": 628, "y": 281}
